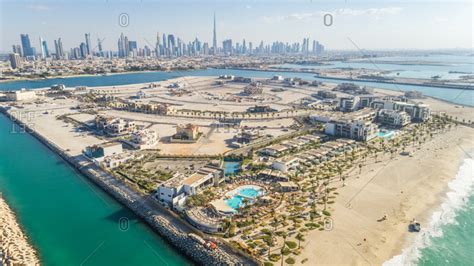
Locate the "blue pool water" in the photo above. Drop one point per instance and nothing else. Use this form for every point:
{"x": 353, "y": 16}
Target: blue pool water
{"x": 231, "y": 168}
{"x": 237, "y": 201}
{"x": 386, "y": 134}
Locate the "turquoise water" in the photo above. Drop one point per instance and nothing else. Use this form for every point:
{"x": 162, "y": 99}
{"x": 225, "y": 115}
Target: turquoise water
{"x": 448, "y": 63}
{"x": 386, "y": 134}
{"x": 459, "y": 96}
{"x": 231, "y": 168}
{"x": 448, "y": 236}
{"x": 67, "y": 218}
{"x": 457, "y": 243}
{"x": 237, "y": 201}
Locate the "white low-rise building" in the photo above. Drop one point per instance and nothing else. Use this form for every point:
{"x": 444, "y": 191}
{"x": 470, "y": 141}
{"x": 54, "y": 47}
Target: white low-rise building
{"x": 174, "y": 190}
{"x": 286, "y": 164}
{"x": 144, "y": 139}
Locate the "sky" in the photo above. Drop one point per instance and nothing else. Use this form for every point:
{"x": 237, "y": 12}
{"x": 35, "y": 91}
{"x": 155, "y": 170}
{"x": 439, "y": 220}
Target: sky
{"x": 349, "y": 24}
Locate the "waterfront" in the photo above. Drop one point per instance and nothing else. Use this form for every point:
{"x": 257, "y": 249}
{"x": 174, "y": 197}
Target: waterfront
{"x": 67, "y": 218}
{"x": 249, "y": 74}
{"x": 458, "y": 96}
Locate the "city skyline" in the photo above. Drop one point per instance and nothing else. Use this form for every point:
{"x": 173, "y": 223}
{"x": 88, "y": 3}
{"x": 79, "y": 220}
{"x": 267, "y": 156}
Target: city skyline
{"x": 165, "y": 46}
{"x": 253, "y": 21}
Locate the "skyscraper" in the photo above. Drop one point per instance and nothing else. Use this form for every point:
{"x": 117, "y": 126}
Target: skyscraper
{"x": 88, "y": 44}
{"x": 58, "y": 45}
{"x": 26, "y": 45}
{"x": 99, "y": 46}
{"x": 15, "y": 60}
{"x": 214, "y": 39}
{"x": 83, "y": 49}
{"x": 44, "y": 48}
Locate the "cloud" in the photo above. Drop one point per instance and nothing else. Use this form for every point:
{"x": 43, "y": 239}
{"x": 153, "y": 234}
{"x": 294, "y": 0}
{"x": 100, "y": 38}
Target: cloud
{"x": 36, "y": 7}
{"x": 370, "y": 12}
{"x": 248, "y": 6}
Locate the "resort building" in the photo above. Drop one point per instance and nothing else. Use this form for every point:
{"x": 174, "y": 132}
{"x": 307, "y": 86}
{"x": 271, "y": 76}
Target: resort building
{"x": 177, "y": 188}
{"x": 286, "y": 164}
{"x": 353, "y": 129}
{"x": 349, "y": 104}
{"x": 20, "y": 95}
{"x": 393, "y": 118}
{"x": 143, "y": 139}
{"x": 417, "y": 112}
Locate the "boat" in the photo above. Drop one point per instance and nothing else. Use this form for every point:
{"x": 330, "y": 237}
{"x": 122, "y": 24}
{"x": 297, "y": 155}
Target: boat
{"x": 415, "y": 226}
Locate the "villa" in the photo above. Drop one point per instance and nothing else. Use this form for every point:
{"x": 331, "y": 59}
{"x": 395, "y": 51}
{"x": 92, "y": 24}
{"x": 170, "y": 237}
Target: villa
{"x": 286, "y": 164}
{"x": 145, "y": 138}
{"x": 274, "y": 150}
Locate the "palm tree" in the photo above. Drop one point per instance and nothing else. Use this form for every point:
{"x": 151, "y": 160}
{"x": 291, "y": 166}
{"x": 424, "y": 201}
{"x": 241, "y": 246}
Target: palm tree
{"x": 299, "y": 237}
{"x": 284, "y": 235}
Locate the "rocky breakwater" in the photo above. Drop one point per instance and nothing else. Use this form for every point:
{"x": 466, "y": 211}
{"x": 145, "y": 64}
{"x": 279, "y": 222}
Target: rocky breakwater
{"x": 14, "y": 246}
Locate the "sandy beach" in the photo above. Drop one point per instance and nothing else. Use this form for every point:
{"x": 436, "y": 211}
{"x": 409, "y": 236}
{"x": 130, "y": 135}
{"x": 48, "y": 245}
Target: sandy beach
{"x": 402, "y": 188}
{"x": 14, "y": 246}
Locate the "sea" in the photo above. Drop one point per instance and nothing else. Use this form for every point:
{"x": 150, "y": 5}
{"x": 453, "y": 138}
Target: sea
{"x": 72, "y": 222}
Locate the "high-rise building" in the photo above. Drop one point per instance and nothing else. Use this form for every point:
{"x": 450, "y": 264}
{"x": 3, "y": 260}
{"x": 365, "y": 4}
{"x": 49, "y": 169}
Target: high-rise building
{"x": 88, "y": 44}
{"x": 44, "y": 48}
{"x": 17, "y": 49}
{"x": 58, "y": 45}
{"x": 83, "y": 49}
{"x": 15, "y": 60}
{"x": 214, "y": 37}
{"x": 227, "y": 47}
{"x": 99, "y": 46}
{"x": 26, "y": 45}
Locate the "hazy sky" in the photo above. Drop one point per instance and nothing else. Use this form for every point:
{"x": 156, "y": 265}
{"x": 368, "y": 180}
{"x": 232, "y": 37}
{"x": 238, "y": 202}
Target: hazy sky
{"x": 370, "y": 24}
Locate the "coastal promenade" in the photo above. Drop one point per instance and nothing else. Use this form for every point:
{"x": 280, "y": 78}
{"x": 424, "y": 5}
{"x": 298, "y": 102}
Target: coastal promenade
{"x": 171, "y": 227}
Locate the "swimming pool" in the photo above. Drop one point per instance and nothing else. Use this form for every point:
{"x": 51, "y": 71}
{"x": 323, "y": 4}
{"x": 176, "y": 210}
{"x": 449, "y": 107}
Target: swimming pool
{"x": 238, "y": 195}
{"x": 231, "y": 167}
{"x": 386, "y": 134}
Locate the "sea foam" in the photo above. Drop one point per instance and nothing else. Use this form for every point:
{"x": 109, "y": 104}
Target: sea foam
{"x": 460, "y": 188}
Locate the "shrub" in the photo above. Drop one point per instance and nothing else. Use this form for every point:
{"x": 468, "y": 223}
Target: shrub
{"x": 274, "y": 257}
{"x": 326, "y": 213}
{"x": 290, "y": 260}
{"x": 291, "y": 244}
{"x": 267, "y": 263}
{"x": 286, "y": 251}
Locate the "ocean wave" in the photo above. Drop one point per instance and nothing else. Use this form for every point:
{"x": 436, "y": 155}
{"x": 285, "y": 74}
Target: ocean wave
{"x": 460, "y": 189}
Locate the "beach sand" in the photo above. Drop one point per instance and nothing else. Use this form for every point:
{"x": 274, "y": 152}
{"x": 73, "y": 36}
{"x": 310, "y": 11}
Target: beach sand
{"x": 403, "y": 188}
{"x": 14, "y": 246}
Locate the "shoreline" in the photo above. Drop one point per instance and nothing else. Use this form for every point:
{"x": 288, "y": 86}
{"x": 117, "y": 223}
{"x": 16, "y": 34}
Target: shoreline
{"x": 15, "y": 248}
{"x": 167, "y": 226}
{"x": 437, "y": 217}
{"x": 403, "y": 188}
